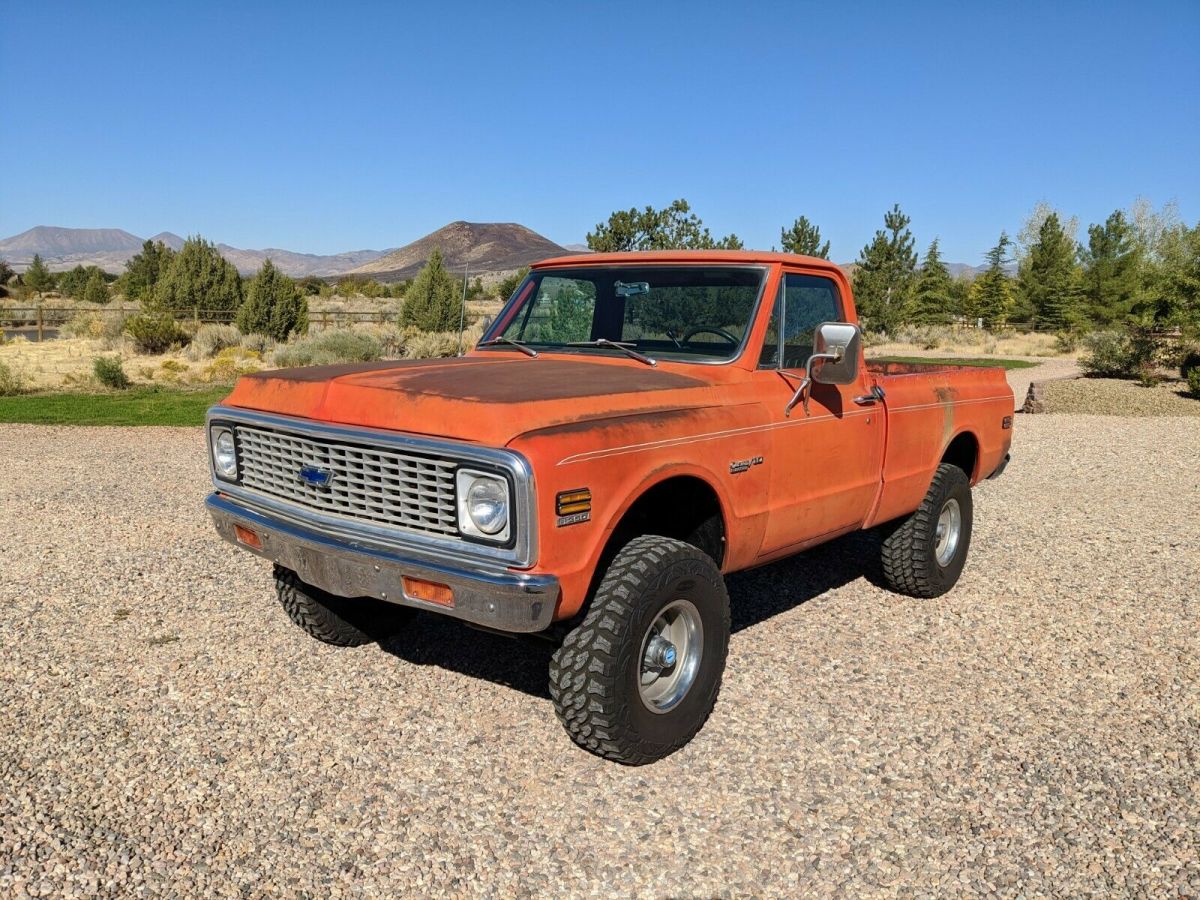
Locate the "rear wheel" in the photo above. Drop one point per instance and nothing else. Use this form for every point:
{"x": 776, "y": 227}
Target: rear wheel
{"x": 924, "y": 555}
{"x": 637, "y": 679}
{"x": 343, "y": 621}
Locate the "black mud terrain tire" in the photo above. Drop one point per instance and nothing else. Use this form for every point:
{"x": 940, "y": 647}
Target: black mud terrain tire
{"x": 596, "y": 675}
{"x": 911, "y": 563}
{"x": 343, "y": 621}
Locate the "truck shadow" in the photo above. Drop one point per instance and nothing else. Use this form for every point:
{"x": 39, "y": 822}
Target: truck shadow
{"x": 754, "y": 596}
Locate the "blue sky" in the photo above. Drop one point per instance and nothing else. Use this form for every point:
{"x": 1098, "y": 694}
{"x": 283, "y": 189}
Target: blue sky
{"x": 323, "y": 127}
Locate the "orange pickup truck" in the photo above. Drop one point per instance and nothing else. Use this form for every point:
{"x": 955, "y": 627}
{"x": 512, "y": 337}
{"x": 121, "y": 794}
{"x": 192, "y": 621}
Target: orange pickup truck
{"x": 630, "y": 428}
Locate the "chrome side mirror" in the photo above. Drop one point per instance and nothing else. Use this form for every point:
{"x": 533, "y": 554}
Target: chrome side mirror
{"x": 840, "y": 340}
{"x": 834, "y": 360}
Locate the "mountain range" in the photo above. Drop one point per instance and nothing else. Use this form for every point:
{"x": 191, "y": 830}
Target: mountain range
{"x": 111, "y": 248}
{"x": 482, "y": 248}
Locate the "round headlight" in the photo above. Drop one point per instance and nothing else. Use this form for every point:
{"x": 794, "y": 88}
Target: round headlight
{"x": 225, "y": 454}
{"x": 487, "y": 505}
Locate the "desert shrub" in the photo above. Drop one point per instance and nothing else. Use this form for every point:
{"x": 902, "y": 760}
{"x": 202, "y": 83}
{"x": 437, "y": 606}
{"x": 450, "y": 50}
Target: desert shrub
{"x": 258, "y": 343}
{"x": 1066, "y": 342}
{"x": 173, "y": 370}
{"x": 85, "y": 325}
{"x": 109, "y": 372}
{"x": 432, "y": 345}
{"x": 155, "y": 332}
{"x": 1190, "y": 364}
{"x": 11, "y": 382}
{"x": 209, "y": 340}
{"x": 231, "y": 363}
{"x": 329, "y": 347}
{"x": 393, "y": 340}
{"x": 1193, "y": 381}
{"x": 927, "y": 337}
{"x": 1108, "y": 354}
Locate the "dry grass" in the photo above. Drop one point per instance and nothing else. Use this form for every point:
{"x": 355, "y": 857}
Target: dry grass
{"x": 66, "y": 364}
{"x": 968, "y": 342}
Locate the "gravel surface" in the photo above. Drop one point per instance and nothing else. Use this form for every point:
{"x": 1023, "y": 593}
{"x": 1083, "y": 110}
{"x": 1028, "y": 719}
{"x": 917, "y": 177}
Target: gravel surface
{"x": 1063, "y": 367}
{"x": 167, "y": 731}
{"x": 1111, "y": 396}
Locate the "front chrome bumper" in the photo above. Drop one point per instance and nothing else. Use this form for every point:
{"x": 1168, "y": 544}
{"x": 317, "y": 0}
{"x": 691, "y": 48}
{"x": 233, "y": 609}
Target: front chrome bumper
{"x": 495, "y": 597}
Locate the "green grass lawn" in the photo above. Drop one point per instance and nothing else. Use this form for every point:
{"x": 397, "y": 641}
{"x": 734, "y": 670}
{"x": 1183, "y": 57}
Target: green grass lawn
{"x": 139, "y": 406}
{"x": 956, "y": 361}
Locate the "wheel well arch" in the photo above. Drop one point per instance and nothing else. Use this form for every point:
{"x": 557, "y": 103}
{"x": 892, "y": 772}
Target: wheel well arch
{"x": 963, "y": 451}
{"x": 685, "y": 507}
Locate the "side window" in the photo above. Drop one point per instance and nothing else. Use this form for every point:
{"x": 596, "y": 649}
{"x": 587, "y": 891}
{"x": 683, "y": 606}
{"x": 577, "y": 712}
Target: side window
{"x": 803, "y": 303}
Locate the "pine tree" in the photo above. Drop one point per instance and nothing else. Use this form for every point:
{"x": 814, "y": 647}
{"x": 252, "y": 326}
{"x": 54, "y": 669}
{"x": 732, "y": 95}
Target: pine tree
{"x": 144, "y": 269}
{"x": 198, "y": 278}
{"x": 505, "y": 288}
{"x": 883, "y": 282}
{"x": 72, "y": 283}
{"x": 1112, "y": 270}
{"x": 933, "y": 302}
{"x": 991, "y": 294}
{"x": 37, "y": 277}
{"x": 96, "y": 288}
{"x": 675, "y": 227}
{"x": 274, "y": 306}
{"x": 431, "y": 302}
{"x": 1049, "y": 276}
{"x": 803, "y": 238}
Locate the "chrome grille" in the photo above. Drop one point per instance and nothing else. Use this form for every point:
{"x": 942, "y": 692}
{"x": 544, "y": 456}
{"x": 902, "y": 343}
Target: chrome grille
{"x": 375, "y": 484}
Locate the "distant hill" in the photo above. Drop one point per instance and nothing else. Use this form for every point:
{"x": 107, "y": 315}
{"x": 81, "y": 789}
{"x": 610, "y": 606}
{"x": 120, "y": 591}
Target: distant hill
{"x": 111, "y": 248}
{"x": 174, "y": 241}
{"x": 299, "y": 265}
{"x": 64, "y": 248}
{"x": 49, "y": 240}
{"x": 484, "y": 247}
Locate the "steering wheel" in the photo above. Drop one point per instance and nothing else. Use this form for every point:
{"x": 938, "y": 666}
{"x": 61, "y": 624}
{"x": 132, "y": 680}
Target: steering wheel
{"x": 710, "y": 329}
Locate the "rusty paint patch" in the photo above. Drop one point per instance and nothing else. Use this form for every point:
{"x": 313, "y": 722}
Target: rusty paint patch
{"x": 524, "y": 380}
{"x": 601, "y": 421}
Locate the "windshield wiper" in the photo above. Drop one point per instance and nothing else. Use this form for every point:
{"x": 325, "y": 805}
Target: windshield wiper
{"x": 624, "y": 347}
{"x": 520, "y": 345}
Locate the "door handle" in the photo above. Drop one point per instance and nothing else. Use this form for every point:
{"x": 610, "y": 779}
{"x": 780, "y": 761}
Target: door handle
{"x": 875, "y": 396}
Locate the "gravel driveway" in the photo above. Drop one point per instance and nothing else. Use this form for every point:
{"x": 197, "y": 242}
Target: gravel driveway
{"x": 165, "y": 729}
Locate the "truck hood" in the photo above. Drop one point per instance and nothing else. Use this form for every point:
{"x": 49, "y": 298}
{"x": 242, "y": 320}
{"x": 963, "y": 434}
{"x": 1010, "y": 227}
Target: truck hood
{"x": 474, "y": 398}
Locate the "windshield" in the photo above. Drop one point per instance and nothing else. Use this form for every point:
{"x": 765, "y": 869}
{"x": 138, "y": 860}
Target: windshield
{"x": 697, "y": 313}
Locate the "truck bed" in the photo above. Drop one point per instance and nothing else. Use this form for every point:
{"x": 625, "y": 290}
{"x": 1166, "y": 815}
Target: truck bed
{"x": 929, "y": 407}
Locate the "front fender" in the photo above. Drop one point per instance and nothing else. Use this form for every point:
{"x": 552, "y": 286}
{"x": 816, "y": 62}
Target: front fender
{"x": 619, "y": 459}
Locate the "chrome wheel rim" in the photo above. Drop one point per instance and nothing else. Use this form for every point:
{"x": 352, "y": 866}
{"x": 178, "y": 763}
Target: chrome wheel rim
{"x": 949, "y": 532}
{"x": 670, "y": 656}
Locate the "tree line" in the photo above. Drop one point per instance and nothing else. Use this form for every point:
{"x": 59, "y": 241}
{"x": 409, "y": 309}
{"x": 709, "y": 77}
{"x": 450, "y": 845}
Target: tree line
{"x": 169, "y": 285}
{"x": 1139, "y": 268}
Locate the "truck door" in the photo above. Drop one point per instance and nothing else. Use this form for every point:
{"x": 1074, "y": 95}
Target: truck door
{"x": 825, "y": 465}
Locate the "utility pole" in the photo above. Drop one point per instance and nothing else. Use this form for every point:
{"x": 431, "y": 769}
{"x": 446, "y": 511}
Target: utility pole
{"x": 462, "y": 310}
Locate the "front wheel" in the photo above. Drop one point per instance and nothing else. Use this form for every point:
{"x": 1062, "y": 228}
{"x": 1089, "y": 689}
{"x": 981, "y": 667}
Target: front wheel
{"x": 924, "y": 555}
{"x": 638, "y": 678}
{"x": 342, "y": 621}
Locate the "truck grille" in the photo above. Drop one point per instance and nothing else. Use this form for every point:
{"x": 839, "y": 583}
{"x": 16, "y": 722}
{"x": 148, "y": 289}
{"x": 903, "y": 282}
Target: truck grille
{"x": 374, "y": 484}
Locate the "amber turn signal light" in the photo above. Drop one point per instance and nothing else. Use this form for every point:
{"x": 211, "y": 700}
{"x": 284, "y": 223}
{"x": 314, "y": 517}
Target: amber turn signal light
{"x": 571, "y": 502}
{"x": 429, "y": 591}
{"x": 247, "y": 537}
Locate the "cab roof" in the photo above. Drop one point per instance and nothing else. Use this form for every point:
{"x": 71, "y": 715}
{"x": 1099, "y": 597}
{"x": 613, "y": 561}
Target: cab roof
{"x": 725, "y": 257}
